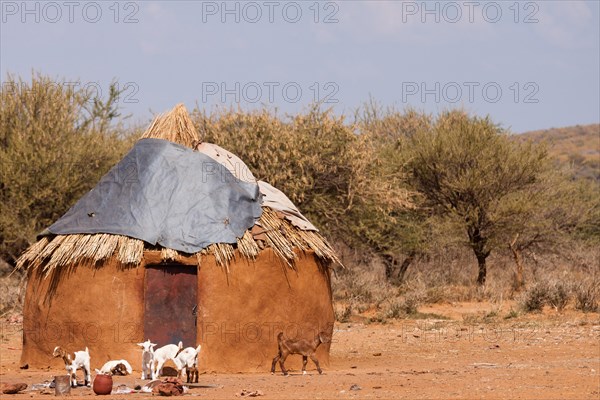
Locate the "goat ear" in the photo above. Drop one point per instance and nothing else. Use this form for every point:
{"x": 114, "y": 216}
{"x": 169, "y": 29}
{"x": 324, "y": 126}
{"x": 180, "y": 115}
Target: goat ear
{"x": 141, "y": 344}
{"x": 152, "y": 344}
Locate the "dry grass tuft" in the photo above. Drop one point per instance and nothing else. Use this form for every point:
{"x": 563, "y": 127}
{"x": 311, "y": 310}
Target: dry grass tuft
{"x": 587, "y": 296}
{"x": 167, "y": 255}
{"x": 535, "y": 297}
{"x": 175, "y": 126}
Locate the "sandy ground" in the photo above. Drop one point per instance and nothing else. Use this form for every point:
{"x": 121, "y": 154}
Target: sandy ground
{"x": 545, "y": 356}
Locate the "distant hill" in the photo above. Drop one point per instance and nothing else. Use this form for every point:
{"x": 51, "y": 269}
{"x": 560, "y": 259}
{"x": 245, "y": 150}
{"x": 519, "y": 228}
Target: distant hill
{"x": 579, "y": 146}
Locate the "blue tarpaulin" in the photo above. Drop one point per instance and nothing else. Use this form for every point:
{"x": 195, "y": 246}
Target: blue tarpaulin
{"x": 166, "y": 194}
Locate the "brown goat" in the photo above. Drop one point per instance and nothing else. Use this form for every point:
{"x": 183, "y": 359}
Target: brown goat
{"x": 306, "y": 348}
{"x": 60, "y": 352}
{"x": 119, "y": 369}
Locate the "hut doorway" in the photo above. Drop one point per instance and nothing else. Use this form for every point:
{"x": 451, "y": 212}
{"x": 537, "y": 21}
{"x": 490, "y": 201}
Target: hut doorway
{"x": 170, "y": 304}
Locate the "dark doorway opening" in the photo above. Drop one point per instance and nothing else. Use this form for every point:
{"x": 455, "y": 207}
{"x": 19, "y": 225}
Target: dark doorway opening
{"x": 170, "y": 303}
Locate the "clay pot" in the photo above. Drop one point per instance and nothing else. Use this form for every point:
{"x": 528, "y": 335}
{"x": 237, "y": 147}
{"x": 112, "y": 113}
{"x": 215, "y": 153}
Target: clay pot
{"x": 102, "y": 384}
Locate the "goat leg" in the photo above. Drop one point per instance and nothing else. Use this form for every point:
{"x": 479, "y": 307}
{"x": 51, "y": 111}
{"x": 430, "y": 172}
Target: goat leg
{"x": 88, "y": 377}
{"x": 304, "y": 362}
{"x": 277, "y": 357}
{"x": 312, "y": 357}
{"x": 281, "y": 364}
{"x": 158, "y": 370}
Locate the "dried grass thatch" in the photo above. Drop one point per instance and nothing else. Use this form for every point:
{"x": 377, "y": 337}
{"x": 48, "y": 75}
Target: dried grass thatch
{"x": 93, "y": 249}
{"x": 63, "y": 252}
{"x": 175, "y": 126}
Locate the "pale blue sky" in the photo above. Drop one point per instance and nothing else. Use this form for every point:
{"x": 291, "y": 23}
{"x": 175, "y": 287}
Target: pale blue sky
{"x": 530, "y": 65}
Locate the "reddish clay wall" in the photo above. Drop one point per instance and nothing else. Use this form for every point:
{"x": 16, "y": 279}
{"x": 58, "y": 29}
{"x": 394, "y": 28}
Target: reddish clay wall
{"x": 239, "y": 316}
{"x": 241, "y": 312}
{"x": 95, "y": 307}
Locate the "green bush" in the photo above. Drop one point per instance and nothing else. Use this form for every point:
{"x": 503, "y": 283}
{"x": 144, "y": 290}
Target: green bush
{"x": 535, "y": 297}
{"x": 55, "y": 144}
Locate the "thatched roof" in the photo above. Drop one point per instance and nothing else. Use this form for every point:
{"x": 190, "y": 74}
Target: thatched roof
{"x": 52, "y": 253}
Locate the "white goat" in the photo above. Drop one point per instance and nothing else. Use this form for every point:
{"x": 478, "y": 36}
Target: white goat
{"x": 147, "y": 358}
{"x": 185, "y": 360}
{"x": 167, "y": 352}
{"x": 116, "y": 367}
{"x": 81, "y": 359}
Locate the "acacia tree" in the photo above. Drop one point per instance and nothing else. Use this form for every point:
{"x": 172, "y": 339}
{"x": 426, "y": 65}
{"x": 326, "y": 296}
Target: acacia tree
{"x": 398, "y": 233}
{"x": 546, "y": 217}
{"x": 465, "y": 167}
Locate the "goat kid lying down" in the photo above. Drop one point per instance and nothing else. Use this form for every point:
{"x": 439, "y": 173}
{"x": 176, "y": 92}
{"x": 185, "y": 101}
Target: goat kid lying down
{"x": 81, "y": 359}
{"x": 186, "y": 360}
{"x": 115, "y": 367}
{"x": 306, "y": 348}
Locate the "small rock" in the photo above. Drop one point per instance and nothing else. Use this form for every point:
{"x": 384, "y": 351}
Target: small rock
{"x": 250, "y": 393}
{"x": 14, "y": 388}
{"x": 355, "y": 387}
{"x": 376, "y": 354}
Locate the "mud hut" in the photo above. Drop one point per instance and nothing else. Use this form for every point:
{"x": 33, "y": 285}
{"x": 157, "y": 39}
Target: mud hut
{"x": 177, "y": 242}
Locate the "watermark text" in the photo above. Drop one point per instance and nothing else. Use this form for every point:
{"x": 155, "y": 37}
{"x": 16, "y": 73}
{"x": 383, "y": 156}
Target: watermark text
{"x": 470, "y": 92}
{"x": 53, "y": 12}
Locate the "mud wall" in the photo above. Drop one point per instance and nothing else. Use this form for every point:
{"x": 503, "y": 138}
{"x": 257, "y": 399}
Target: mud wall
{"x": 242, "y": 311}
{"x": 95, "y": 307}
